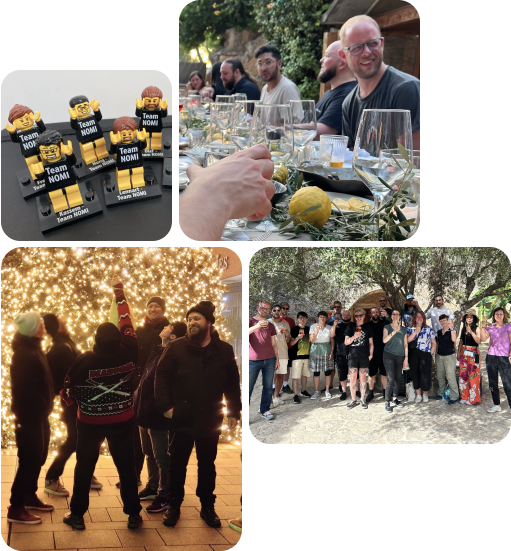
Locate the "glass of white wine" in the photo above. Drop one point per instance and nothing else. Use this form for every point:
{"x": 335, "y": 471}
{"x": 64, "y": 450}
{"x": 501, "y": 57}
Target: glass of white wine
{"x": 271, "y": 126}
{"x": 379, "y": 131}
{"x": 221, "y": 116}
{"x": 303, "y": 117}
{"x": 242, "y": 121}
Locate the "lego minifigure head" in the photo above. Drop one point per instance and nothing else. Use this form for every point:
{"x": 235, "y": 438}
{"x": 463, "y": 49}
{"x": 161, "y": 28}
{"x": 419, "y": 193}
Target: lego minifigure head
{"x": 81, "y": 105}
{"x": 18, "y": 117}
{"x": 49, "y": 145}
{"x": 127, "y": 128}
{"x": 151, "y": 96}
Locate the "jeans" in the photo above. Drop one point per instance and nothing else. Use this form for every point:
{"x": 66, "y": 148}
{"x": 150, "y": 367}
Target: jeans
{"x": 420, "y": 366}
{"x": 446, "y": 372}
{"x": 494, "y": 366}
{"x": 155, "y": 445}
{"x": 268, "y": 369}
{"x": 68, "y": 447}
{"x": 120, "y": 444}
{"x": 394, "y": 367}
{"x": 32, "y": 440}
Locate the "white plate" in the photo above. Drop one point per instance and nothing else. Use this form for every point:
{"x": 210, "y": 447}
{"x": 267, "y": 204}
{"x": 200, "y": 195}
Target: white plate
{"x": 346, "y": 197}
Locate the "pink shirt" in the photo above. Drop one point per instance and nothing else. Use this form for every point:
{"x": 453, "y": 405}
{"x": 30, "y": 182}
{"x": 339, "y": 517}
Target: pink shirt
{"x": 259, "y": 342}
{"x": 499, "y": 340}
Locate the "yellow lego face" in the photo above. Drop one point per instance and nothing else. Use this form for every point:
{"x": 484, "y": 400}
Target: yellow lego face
{"x": 128, "y": 135}
{"x": 83, "y": 109}
{"x": 50, "y": 152}
{"x": 23, "y": 122}
{"x": 151, "y": 103}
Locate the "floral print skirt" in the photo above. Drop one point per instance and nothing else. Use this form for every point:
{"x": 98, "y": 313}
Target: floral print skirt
{"x": 470, "y": 376}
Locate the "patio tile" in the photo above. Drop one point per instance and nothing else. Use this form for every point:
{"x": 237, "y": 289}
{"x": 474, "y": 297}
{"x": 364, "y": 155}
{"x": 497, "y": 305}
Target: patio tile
{"x": 180, "y": 548}
{"x": 86, "y": 539}
{"x": 190, "y": 536}
{"x": 36, "y": 541}
{"x": 230, "y": 535}
{"x": 221, "y": 547}
{"x": 99, "y": 514}
{"x": 148, "y": 536}
{"x": 228, "y": 499}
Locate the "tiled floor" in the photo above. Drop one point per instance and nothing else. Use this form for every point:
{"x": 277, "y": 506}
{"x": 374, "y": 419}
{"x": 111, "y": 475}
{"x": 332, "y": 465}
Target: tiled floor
{"x": 106, "y": 523}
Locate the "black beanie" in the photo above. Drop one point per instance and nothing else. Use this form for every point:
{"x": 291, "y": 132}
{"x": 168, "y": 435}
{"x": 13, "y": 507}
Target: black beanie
{"x": 204, "y": 307}
{"x": 107, "y": 336}
{"x": 51, "y": 324}
{"x": 158, "y": 300}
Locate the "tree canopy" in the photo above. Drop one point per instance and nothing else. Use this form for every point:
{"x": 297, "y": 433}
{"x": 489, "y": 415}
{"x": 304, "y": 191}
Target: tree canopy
{"x": 463, "y": 275}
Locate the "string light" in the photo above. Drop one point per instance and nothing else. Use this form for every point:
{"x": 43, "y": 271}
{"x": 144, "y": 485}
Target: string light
{"x": 75, "y": 283}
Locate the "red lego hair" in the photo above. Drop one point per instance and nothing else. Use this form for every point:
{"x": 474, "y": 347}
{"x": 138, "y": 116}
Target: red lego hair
{"x": 124, "y": 123}
{"x": 152, "y": 92}
{"x": 18, "y": 111}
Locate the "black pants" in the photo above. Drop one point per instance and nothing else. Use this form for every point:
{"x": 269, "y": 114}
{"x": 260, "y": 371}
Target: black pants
{"x": 420, "y": 366}
{"x": 32, "y": 440}
{"x": 139, "y": 454}
{"x": 180, "y": 448}
{"x": 68, "y": 447}
{"x": 494, "y": 366}
{"x": 394, "y": 369}
{"x": 342, "y": 367}
{"x": 120, "y": 443}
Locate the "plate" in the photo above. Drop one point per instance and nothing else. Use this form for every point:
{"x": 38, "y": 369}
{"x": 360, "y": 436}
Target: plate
{"x": 347, "y": 197}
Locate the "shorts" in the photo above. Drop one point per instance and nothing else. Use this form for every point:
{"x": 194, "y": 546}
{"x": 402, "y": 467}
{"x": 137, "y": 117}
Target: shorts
{"x": 282, "y": 370}
{"x": 300, "y": 368}
{"x": 358, "y": 362}
{"x": 376, "y": 365}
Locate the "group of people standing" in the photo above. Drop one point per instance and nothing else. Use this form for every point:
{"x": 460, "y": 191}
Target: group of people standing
{"x": 154, "y": 392}
{"x": 389, "y": 342}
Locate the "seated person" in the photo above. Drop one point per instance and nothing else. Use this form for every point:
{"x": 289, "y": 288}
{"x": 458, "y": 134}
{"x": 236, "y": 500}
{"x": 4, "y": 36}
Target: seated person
{"x": 380, "y": 86}
{"x": 248, "y": 171}
{"x": 334, "y": 70}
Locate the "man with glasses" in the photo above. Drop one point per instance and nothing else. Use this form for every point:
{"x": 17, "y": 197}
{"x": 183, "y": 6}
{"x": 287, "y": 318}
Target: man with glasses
{"x": 376, "y": 364}
{"x": 411, "y": 306}
{"x": 379, "y": 85}
{"x": 383, "y": 306}
{"x": 278, "y": 89}
{"x": 336, "y": 315}
{"x": 299, "y": 355}
{"x": 334, "y": 70}
{"x": 359, "y": 338}
{"x": 291, "y": 322}
{"x": 338, "y": 331}
{"x": 263, "y": 356}
{"x": 282, "y": 339}
{"x": 434, "y": 313}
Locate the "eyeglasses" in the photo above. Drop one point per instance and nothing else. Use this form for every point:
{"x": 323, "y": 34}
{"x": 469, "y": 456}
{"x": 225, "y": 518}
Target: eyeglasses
{"x": 337, "y": 307}
{"x": 262, "y": 308}
{"x": 285, "y": 307}
{"x": 383, "y": 300}
{"x": 267, "y": 63}
{"x": 373, "y": 45}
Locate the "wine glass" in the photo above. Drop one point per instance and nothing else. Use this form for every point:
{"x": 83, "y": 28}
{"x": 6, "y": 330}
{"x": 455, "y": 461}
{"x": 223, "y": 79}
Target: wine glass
{"x": 242, "y": 121}
{"x": 239, "y": 97}
{"x": 303, "y": 113}
{"x": 271, "y": 126}
{"x": 379, "y": 131}
{"x": 224, "y": 99}
{"x": 221, "y": 116}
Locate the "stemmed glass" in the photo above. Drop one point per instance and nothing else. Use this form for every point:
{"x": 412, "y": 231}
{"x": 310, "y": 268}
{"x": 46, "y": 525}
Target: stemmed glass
{"x": 241, "y": 122}
{"x": 271, "y": 126}
{"x": 221, "y": 115}
{"x": 224, "y": 99}
{"x": 379, "y": 131}
{"x": 303, "y": 113}
{"x": 239, "y": 97}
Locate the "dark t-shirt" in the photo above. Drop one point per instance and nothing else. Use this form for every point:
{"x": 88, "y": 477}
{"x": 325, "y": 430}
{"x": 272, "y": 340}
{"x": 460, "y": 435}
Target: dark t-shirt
{"x": 300, "y": 350}
{"x": 128, "y": 154}
{"x": 407, "y": 316}
{"x": 445, "y": 344}
{"x": 359, "y": 348}
{"x": 151, "y": 120}
{"x": 246, "y": 86}
{"x": 329, "y": 107}
{"x": 26, "y": 139}
{"x": 378, "y": 336}
{"x": 396, "y": 90}
{"x": 60, "y": 174}
{"x": 340, "y": 333}
{"x": 88, "y": 129}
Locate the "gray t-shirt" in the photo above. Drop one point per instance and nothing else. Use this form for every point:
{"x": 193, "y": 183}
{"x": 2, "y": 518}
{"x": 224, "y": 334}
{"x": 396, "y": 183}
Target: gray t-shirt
{"x": 396, "y": 344}
{"x": 434, "y": 313}
{"x": 283, "y": 93}
{"x": 396, "y": 90}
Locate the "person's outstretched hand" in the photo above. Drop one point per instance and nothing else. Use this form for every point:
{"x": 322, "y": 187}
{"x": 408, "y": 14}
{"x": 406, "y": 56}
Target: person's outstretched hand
{"x": 238, "y": 186}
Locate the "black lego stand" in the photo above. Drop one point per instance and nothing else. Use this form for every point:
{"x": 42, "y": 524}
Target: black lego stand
{"x": 86, "y": 171}
{"x": 116, "y": 198}
{"x": 166, "y": 180}
{"x": 29, "y": 187}
{"x": 137, "y": 221}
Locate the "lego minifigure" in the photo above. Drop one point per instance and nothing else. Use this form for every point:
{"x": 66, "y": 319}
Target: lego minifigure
{"x": 88, "y": 132}
{"x": 57, "y": 168}
{"x": 127, "y": 144}
{"x": 152, "y": 109}
{"x": 26, "y": 127}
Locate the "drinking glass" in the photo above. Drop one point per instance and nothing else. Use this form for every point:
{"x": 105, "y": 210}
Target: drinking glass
{"x": 242, "y": 121}
{"x": 211, "y": 158}
{"x": 379, "y": 131}
{"x": 221, "y": 116}
{"x": 303, "y": 117}
{"x": 224, "y": 99}
{"x": 271, "y": 126}
{"x": 197, "y": 138}
{"x": 338, "y": 149}
{"x": 239, "y": 97}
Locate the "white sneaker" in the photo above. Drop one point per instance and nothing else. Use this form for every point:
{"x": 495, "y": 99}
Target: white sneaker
{"x": 425, "y": 398}
{"x": 278, "y": 402}
{"x": 327, "y": 394}
{"x": 315, "y": 396}
{"x": 494, "y": 409}
{"x": 267, "y": 415}
{"x": 418, "y": 399}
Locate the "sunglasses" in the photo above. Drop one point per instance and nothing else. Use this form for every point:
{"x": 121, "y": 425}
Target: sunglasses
{"x": 359, "y": 315}
{"x": 285, "y": 307}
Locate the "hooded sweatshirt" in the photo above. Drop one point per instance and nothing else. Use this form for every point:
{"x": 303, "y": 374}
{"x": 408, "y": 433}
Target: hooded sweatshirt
{"x": 100, "y": 380}
{"x": 31, "y": 383}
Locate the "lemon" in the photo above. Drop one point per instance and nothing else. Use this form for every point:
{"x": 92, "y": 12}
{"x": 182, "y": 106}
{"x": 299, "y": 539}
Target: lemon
{"x": 359, "y": 205}
{"x": 307, "y": 197}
